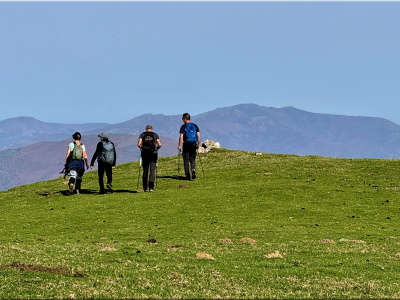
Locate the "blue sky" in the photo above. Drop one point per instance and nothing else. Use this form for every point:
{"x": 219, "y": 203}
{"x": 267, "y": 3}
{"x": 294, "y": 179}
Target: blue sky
{"x": 84, "y": 62}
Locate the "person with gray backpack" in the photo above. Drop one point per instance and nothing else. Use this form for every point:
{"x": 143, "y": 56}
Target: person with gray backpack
{"x": 106, "y": 159}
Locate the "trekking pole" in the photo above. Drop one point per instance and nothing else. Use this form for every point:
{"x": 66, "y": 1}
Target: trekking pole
{"x": 140, "y": 164}
{"x": 156, "y": 171}
{"x": 201, "y": 163}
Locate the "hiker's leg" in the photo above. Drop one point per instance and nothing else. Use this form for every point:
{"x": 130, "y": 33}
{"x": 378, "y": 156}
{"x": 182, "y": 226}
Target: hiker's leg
{"x": 146, "y": 164}
{"x": 71, "y": 182}
{"x": 109, "y": 173}
{"x": 185, "y": 155}
{"x": 78, "y": 185}
{"x": 100, "y": 172}
{"x": 153, "y": 164}
{"x": 192, "y": 158}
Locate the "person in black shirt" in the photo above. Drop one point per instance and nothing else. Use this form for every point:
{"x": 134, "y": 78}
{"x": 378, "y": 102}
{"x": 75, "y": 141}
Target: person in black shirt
{"x": 189, "y": 135}
{"x": 149, "y": 143}
{"x": 106, "y": 158}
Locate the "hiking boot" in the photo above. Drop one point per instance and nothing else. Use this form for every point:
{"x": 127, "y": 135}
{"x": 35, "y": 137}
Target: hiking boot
{"x": 194, "y": 174}
{"x": 110, "y": 188}
{"x": 151, "y": 190}
{"x": 102, "y": 192}
{"x": 77, "y": 191}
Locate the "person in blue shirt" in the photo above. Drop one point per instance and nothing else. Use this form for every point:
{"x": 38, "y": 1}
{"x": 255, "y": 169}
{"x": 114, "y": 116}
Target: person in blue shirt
{"x": 189, "y": 142}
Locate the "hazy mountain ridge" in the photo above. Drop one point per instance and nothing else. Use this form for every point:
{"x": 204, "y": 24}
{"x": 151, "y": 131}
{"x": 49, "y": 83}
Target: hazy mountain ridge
{"x": 283, "y": 130}
{"x": 258, "y": 128}
{"x": 22, "y": 131}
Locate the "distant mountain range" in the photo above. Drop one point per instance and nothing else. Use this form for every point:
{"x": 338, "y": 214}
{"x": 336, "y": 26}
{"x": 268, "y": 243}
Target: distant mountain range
{"x": 249, "y": 127}
{"x": 22, "y": 131}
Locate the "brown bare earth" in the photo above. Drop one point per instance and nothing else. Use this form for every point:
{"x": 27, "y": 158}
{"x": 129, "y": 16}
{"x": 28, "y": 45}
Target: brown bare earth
{"x": 225, "y": 240}
{"x": 183, "y": 186}
{"x": 204, "y": 255}
{"x": 327, "y": 241}
{"x": 247, "y": 240}
{"x": 108, "y": 249}
{"x": 354, "y": 241}
{"x": 36, "y": 268}
{"x": 275, "y": 254}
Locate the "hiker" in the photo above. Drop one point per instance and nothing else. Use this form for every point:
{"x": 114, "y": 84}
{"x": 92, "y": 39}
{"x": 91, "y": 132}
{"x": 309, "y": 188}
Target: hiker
{"x": 149, "y": 143}
{"x": 74, "y": 160}
{"x": 190, "y": 136}
{"x": 106, "y": 159}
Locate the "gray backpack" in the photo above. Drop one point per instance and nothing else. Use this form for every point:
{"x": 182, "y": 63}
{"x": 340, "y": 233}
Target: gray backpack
{"x": 107, "y": 155}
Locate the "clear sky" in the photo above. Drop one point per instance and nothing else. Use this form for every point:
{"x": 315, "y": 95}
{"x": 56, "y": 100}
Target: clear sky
{"x": 81, "y": 62}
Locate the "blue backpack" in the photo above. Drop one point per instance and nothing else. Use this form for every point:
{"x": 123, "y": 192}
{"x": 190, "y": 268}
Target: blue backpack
{"x": 191, "y": 134}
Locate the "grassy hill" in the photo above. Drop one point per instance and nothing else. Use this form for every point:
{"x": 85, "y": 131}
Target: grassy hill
{"x": 334, "y": 222}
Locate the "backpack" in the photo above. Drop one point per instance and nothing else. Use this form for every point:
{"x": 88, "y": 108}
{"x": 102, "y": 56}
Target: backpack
{"x": 148, "y": 142}
{"x": 191, "y": 134}
{"x": 107, "y": 155}
{"x": 77, "y": 152}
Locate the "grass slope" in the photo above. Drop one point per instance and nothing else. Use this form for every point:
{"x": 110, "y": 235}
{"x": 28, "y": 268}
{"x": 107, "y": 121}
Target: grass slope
{"x": 334, "y": 221}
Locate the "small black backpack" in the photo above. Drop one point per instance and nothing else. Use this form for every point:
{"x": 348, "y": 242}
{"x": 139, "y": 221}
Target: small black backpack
{"x": 148, "y": 142}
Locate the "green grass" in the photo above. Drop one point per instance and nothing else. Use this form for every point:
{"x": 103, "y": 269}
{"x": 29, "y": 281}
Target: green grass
{"x": 285, "y": 203}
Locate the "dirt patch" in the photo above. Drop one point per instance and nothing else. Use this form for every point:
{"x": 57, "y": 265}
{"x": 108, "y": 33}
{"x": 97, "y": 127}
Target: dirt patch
{"x": 327, "y": 241}
{"x": 174, "y": 248}
{"x": 77, "y": 274}
{"x": 47, "y": 192}
{"x": 397, "y": 255}
{"x": 183, "y": 186}
{"x": 108, "y": 249}
{"x": 203, "y": 255}
{"x": 36, "y": 268}
{"x": 65, "y": 182}
{"x": 151, "y": 241}
{"x": 354, "y": 241}
{"x": 274, "y": 254}
{"x": 225, "y": 241}
{"x": 247, "y": 240}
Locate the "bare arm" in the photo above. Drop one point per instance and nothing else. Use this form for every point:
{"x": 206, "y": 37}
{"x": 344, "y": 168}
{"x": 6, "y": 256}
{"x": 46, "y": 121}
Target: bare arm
{"x": 139, "y": 143}
{"x": 159, "y": 143}
{"x": 180, "y": 141}
{"x": 198, "y": 138}
{"x": 68, "y": 152}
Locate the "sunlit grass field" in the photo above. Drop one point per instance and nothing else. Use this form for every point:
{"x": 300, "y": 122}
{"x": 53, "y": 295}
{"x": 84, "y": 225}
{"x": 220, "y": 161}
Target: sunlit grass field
{"x": 332, "y": 225}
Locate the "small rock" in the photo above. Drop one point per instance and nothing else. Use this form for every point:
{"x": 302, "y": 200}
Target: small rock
{"x": 204, "y": 255}
{"x": 275, "y": 254}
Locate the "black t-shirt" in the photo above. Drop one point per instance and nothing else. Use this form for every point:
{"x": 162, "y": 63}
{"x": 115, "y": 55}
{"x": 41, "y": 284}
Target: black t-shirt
{"x": 156, "y": 137}
{"x": 183, "y": 130}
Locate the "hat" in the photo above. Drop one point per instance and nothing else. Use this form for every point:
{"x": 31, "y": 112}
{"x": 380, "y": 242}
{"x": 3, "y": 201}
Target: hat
{"x": 103, "y": 135}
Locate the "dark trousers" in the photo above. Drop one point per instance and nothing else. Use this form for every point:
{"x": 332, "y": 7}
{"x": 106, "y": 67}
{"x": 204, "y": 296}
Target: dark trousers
{"x": 108, "y": 169}
{"x": 149, "y": 161}
{"x": 189, "y": 156}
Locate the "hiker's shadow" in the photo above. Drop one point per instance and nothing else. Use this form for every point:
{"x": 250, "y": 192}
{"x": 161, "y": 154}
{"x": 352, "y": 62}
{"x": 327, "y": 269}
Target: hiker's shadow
{"x": 176, "y": 177}
{"x": 83, "y": 192}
